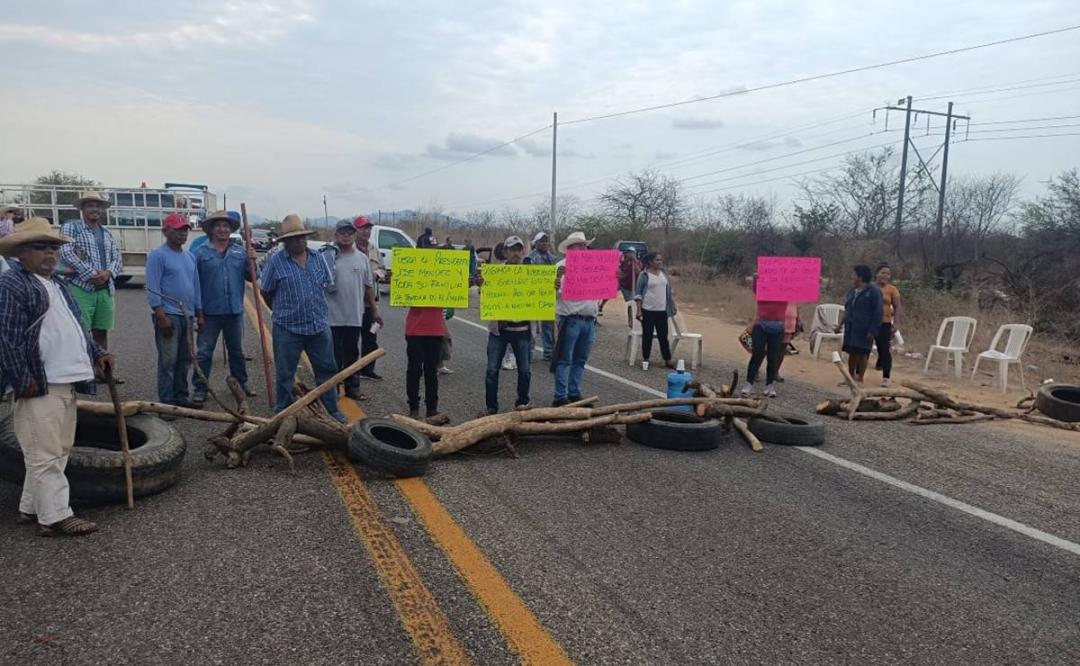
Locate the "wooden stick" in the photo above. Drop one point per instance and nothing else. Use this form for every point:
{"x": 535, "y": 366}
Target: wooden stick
{"x": 943, "y": 420}
{"x": 254, "y": 273}
{"x": 754, "y": 442}
{"x": 121, "y": 426}
{"x": 132, "y": 407}
{"x": 856, "y": 390}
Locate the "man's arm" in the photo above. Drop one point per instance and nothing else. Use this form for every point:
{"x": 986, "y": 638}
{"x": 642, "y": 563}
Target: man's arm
{"x": 155, "y": 268}
{"x": 268, "y": 281}
{"x": 14, "y": 368}
{"x": 69, "y": 253}
{"x": 116, "y": 263}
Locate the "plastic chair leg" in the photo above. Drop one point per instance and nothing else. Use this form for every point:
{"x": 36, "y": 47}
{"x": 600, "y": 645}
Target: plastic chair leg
{"x": 1003, "y": 375}
{"x": 958, "y": 360}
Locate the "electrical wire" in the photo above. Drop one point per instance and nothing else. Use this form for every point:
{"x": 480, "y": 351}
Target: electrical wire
{"x": 1022, "y": 120}
{"x": 978, "y": 92}
{"x": 1024, "y": 129}
{"x": 1013, "y": 138}
{"x": 939, "y": 95}
{"x": 776, "y": 157}
{"x": 819, "y": 77}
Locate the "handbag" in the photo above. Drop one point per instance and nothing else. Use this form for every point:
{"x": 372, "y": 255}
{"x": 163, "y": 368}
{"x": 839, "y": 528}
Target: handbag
{"x": 746, "y": 340}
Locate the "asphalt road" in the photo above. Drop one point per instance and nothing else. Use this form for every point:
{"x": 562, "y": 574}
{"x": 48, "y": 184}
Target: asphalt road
{"x": 624, "y": 554}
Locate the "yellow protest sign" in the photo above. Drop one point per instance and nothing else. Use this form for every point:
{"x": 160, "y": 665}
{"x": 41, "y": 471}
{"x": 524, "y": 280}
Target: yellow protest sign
{"x": 517, "y": 292}
{"x": 429, "y": 278}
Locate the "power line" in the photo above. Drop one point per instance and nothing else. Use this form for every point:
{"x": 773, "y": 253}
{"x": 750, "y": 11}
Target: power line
{"x": 1022, "y": 120}
{"x": 940, "y": 95}
{"x": 776, "y": 157}
{"x": 1024, "y": 129}
{"x": 988, "y": 90}
{"x": 819, "y": 77}
{"x": 1012, "y": 138}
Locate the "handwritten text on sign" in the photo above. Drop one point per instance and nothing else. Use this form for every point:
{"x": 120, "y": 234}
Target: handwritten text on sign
{"x": 429, "y": 278}
{"x": 517, "y": 293}
{"x": 590, "y": 275}
{"x": 792, "y": 279}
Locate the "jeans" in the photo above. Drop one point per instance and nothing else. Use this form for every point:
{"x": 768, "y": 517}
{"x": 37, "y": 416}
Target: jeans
{"x": 320, "y": 351}
{"x": 369, "y": 341}
{"x": 347, "y": 351}
{"x": 231, "y": 327}
{"x": 174, "y": 361}
{"x": 547, "y": 337}
{"x": 521, "y": 344}
{"x": 423, "y": 352}
{"x": 45, "y": 428}
{"x": 884, "y": 349}
{"x": 768, "y": 341}
{"x": 654, "y": 320}
{"x": 576, "y": 340}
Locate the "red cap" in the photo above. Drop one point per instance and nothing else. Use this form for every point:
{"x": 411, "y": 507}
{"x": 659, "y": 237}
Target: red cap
{"x": 176, "y": 221}
{"x": 361, "y": 221}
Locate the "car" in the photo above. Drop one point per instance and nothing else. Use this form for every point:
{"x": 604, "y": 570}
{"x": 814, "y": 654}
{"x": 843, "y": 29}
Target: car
{"x": 639, "y": 248}
{"x": 385, "y": 239}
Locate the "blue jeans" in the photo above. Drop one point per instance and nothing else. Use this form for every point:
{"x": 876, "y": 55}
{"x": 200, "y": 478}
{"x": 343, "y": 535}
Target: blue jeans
{"x": 547, "y": 337}
{"x": 577, "y": 337}
{"x": 231, "y": 327}
{"x": 174, "y": 361}
{"x": 320, "y": 351}
{"x": 767, "y": 344}
{"x": 521, "y": 343}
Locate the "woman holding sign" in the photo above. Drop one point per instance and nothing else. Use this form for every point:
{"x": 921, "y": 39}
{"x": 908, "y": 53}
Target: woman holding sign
{"x": 861, "y": 320}
{"x": 655, "y": 303}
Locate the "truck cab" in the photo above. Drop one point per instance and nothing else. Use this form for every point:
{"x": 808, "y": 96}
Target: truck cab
{"x": 385, "y": 239}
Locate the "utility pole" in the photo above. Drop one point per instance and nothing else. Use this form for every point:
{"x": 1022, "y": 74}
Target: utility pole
{"x": 950, "y": 117}
{"x": 554, "y": 146}
{"x": 325, "y": 213}
{"x": 944, "y": 173}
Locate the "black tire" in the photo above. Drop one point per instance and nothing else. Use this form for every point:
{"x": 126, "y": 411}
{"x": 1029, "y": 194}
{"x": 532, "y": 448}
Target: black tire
{"x": 796, "y": 431}
{"x": 95, "y": 467}
{"x": 1059, "y": 401}
{"x": 390, "y": 447}
{"x": 677, "y": 431}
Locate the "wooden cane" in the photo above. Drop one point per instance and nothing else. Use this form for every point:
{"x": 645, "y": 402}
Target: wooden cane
{"x": 121, "y": 426}
{"x": 258, "y": 308}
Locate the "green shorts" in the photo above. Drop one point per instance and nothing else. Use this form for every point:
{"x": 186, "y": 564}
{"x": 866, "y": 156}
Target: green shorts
{"x": 98, "y": 307}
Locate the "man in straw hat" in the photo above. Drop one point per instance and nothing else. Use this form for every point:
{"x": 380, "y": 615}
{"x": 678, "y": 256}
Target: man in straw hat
{"x": 46, "y": 356}
{"x": 542, "y": 255}
{"x": 92, "y": 259}
{"x": 577, "y": 331}
{"x": 223, "y": 266}
{"x": 293, "y": 284}
{"x": 172, "y": 290}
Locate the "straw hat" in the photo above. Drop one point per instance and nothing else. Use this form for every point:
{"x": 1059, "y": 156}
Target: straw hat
{"x": 291, "y": 226}
{"x": 206, "y": 224}
{"x": 574, "y": 239}
{"x": 88, "y": 197}
{"x": 10, "y": 209}
{"x": 34, "y": 229}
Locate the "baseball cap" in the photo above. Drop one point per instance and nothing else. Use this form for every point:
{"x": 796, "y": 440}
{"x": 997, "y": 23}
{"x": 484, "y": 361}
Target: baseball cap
{"x": 345, "y": 224}
{"x": 361, "y": 221}
{"x": 176, "y": 221}
{"x": 539, "y": 235}
{"x": 511, "y": 241}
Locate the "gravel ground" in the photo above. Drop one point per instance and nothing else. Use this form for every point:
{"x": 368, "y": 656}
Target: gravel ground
{"x": 626, "y": 554}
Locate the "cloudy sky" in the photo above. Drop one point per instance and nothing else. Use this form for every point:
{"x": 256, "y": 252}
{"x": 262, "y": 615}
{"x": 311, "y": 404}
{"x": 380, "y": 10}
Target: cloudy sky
{"x": 278, "y": 102}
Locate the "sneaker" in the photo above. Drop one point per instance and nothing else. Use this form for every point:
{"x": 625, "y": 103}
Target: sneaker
{"x": 558, "y": 403}
{"x": 509, "y": 363}
{"x": 372, "y": 376}
{"x": 770, "y": 392}
{"x": 198, "y": 400}
{"x": 747, "y": 390}
{"x": 443, "y": 370}
{"x": 885, "y": 383}
{"x": 431, "y": 412}
{"x": 414, "y": 413}
{"x": 354, "y": 394}
{"x": 487, "y": 412}
{"x": 573, "y": 398}
{"x": 523, "y": 407}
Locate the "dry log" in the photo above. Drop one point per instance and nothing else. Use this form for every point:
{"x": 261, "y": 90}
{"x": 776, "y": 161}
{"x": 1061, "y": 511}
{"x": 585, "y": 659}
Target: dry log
{"x": 945, "y": 400}
{"x": 132, "y": 407}
{"x": 705, "y": 391}
{"x": 895, "y": 415}
{"x": 753, "y": 441}
{"x": 943, "y": 420}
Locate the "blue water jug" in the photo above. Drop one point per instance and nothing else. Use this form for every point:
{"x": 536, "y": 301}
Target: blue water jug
{"x": 677, "y": 386}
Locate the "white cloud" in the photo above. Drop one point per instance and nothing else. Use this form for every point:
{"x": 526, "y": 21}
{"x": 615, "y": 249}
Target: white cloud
{"x": 692, "y": 123}
{"x": 458, "y": 145}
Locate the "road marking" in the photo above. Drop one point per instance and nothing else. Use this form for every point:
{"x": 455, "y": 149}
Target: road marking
{"x": 417, "y": 610}
{"x": 416, "y": 607}
{"x": 527, "y": 637}
{"x": 945, "y": 500}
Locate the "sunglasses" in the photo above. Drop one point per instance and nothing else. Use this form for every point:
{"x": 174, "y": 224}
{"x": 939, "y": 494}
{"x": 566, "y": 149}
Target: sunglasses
{"x": 41, "y": 246}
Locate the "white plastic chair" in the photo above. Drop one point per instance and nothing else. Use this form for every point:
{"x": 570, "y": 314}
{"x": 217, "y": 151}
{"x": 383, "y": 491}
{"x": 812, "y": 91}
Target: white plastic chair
{"x": 829, "y": 314}
{"x": 963, "y": 330}
{"x": 633, "y": 334}
{"x": 1015, "y": 344}
{"x": 681, "y": 332}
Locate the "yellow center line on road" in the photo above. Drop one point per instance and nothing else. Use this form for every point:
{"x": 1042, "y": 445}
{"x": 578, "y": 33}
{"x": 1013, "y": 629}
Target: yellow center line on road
{"x": 416, "y": 607}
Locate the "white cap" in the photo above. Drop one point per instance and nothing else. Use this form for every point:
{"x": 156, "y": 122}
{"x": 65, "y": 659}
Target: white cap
{"x": 539, "y": 235}
{"x": 680, "y": 366}
{"x": 511, "y": 241}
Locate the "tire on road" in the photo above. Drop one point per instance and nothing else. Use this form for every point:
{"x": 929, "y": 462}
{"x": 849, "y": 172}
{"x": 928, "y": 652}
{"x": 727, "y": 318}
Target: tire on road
{"x": 95, "y": 468}
{"x": 678, "y": 431}
{"x": 794, "y": 431}
{"x": 1059, "y": 401}
{"x": 390, "y": 447}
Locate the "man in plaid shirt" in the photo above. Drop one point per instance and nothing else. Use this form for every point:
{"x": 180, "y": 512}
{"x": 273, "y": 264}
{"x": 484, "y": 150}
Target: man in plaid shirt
{"x": 91, "y": 263}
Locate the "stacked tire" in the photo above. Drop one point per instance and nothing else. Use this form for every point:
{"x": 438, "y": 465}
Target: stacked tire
{"x": 678, "y": 431}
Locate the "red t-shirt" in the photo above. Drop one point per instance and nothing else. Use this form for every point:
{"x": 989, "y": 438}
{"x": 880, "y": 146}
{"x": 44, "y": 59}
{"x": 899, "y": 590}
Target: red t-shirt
{"x": 771, "y": 310}
{"x": 425, "y": 321}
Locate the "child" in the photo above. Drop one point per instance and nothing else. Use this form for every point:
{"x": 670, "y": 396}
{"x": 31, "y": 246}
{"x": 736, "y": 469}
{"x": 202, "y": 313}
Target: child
{"x": 504, "y": 336}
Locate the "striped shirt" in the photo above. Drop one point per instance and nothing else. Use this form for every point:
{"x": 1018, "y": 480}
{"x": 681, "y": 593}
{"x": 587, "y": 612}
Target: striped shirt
{"x": 298, "y": 294}
{"x": 83, "y": 256}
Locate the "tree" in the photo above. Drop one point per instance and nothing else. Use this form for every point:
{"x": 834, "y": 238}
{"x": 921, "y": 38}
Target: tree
{"x": 64, "y": 179}
{"x": 567, "y": 210}
{"x": 643, "y": 201}
{"x": 810, "y": 223}
{"x": 1056, "y": 216}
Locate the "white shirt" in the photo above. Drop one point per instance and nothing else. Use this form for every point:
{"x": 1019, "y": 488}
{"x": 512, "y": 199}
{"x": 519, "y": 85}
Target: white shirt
{"x": 564, "y": 308}
{"x": 62, "y": 341}
{"x": 655, "y": 298}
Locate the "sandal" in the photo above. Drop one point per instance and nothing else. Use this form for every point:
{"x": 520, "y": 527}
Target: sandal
{"x": 26, "y": 519}
{"x": 70, "y": 526}
{"x": 250, "y": 393}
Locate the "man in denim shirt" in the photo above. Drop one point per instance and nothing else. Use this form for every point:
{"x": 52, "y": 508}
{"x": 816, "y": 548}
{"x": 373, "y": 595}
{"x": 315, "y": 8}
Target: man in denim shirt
{"x": 223, "y": 268}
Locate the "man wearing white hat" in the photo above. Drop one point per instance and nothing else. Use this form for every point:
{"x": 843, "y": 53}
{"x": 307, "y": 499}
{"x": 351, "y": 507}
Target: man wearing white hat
{"x": 541, "y": 255}
{"x": 46, "y": 356}
{"x": 92, "y": 259}
{"x": 577, "y": 331}
{"x": 293, "y": 283}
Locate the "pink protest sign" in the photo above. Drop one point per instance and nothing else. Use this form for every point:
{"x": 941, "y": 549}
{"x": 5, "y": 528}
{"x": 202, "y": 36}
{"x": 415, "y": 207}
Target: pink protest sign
{"x": 590, "y": 275}
{"x": 792, "y": 279}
